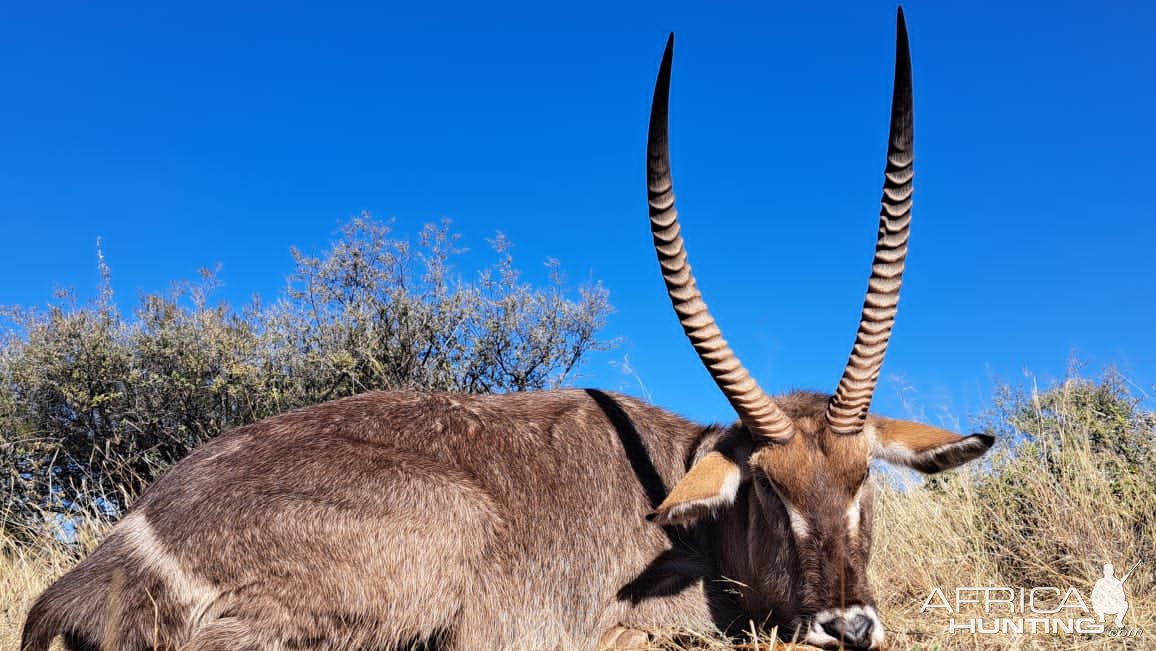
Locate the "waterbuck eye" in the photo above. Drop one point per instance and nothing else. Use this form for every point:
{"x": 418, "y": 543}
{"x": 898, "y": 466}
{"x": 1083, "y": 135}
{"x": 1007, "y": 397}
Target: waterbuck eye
{"x": 767, "y": 483}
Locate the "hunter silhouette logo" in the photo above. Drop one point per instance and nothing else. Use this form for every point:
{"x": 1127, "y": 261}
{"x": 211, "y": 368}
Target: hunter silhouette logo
{"x": 1108, "y": 595}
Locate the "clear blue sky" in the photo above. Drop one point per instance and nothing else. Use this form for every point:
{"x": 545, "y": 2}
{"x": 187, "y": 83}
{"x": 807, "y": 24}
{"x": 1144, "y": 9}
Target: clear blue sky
{"x": 189, "y": 135}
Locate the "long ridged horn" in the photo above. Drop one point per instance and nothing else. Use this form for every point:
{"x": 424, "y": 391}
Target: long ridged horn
{"x": 847, "y": 410}
{"x": 756, "y": 409}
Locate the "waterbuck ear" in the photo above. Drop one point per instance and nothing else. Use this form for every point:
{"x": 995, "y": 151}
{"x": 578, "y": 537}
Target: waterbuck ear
{"x": 922, "y": 447}
{"x": 711, "y": 484}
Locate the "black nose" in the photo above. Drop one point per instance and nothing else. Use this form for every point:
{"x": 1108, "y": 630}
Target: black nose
{"x": 854, "y": 631}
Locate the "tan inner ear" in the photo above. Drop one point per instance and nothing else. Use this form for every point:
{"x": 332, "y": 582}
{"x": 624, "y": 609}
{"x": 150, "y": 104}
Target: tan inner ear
{"x": 916, "y": 437}
{"x": 711, "y": 483}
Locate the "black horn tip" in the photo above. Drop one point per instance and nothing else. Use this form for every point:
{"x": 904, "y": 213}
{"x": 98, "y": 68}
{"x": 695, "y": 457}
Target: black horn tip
{"x": 901, "y": 29}
{"x": 662, "y": 87}
{"x": 668, "y": 54}
{"x": 902, "y": 59}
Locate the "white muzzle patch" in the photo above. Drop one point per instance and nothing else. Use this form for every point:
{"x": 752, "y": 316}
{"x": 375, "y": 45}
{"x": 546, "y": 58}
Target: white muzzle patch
{"x": 818, "y": 636}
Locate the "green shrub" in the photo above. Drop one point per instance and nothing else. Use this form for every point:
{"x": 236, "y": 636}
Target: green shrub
{"x": 93, "y": 404}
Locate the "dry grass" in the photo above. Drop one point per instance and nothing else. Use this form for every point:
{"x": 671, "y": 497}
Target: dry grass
{"x": 1078, "y": 492}
{"x": 26, "y": 571}
{"x": 23, "y": 574}
{"x": 928, "y": 540}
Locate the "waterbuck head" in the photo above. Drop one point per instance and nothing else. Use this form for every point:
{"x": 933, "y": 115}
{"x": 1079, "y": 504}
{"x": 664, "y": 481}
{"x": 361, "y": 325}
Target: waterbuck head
{"x": 788, "y": 484}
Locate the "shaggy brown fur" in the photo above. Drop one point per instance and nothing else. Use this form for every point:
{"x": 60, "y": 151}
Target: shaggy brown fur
{"x": 387, "y": 520}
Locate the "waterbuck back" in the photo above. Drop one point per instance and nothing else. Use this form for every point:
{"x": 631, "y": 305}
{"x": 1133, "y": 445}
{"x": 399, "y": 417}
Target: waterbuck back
{"x": 388, "y": 519}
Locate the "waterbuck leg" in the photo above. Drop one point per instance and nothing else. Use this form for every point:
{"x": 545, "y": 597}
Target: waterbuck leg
{"x": 624, "y": 638}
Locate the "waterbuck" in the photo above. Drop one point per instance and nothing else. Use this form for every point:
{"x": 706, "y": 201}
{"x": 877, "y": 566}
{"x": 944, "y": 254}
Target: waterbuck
{"x": 562, "y": 519}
